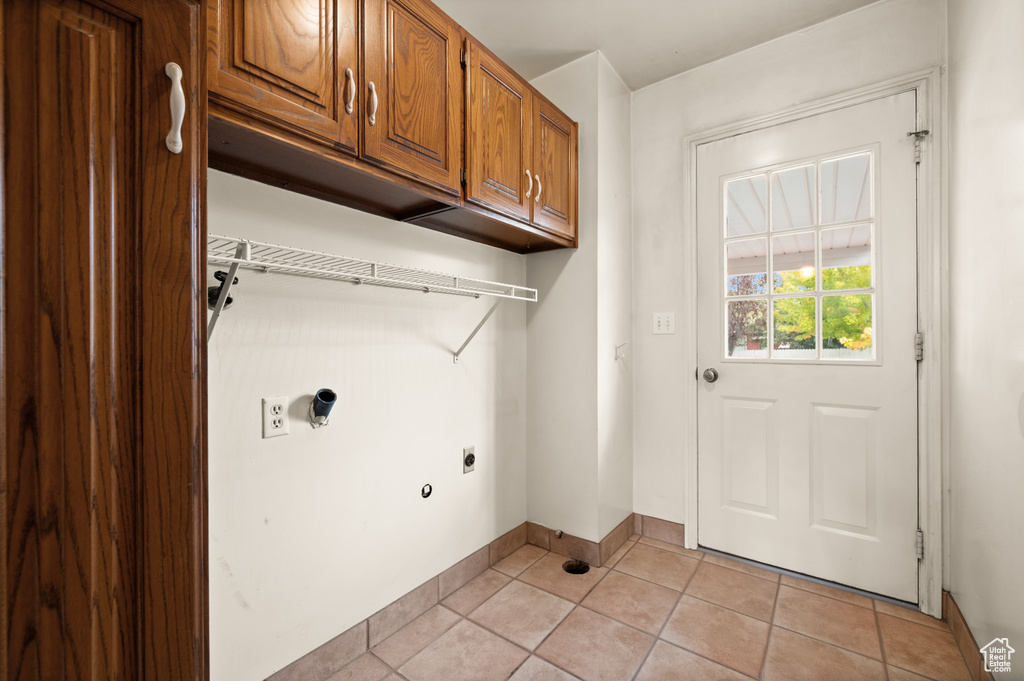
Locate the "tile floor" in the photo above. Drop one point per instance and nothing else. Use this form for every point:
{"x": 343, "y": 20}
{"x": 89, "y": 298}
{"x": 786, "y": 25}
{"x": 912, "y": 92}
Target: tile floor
{"x": 658, "y": 612}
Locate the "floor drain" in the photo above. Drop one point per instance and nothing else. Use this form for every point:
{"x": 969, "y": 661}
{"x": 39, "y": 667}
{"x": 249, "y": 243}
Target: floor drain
{"x": 576, "y": 567}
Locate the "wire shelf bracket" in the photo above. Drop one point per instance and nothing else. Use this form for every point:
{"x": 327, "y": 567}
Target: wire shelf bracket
{"x": 254, "y": 255}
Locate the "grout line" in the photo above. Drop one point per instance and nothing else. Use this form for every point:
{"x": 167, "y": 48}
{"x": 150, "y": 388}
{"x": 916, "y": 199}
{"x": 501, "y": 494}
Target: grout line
{"x": 815, "y": 593}
{"x": 658, "y": 636}
{"x": 428, "y": 643}
{"x": 809, "y": 578}
{"x": 881, "y": 644}
{"x": 814, "y": 637}
{"x": 771, "y": 628}
{"x": 738, "y": 612}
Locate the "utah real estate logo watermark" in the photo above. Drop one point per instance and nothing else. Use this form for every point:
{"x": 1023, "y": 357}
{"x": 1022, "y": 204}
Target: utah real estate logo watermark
{"x": 997, "y": 655}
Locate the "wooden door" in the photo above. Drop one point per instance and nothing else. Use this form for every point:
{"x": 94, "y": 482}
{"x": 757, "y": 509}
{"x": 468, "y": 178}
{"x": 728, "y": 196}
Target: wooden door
{"x": 412, "y": 120}
{"x": 499, "y": 137}
{"x": 102, "y": 468}
{"x": 292, "y": 62}
{"x": 554, "y": 156}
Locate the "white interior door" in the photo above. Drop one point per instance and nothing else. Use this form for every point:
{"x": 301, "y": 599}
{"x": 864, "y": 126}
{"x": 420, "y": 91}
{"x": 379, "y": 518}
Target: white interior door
{"x": 807, "y": 311}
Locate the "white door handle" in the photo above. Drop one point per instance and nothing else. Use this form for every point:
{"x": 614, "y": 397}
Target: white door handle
{"x": 540, "y": 188}
{"x": 350, "y": 104}
{"x": 529, "y": 189}
{"x": 373, "y": 103}
{"x": 177, "y": 98}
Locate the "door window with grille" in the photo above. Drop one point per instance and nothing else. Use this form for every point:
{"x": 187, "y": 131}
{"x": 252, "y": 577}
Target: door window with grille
{"x": 798, "y": 246}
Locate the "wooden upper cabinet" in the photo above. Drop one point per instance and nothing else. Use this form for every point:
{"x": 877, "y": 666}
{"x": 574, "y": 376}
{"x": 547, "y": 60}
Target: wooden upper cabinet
{"x": 412, "y": 120}
{"x": 499, "y": 141}
{"x": 102, "y": 385}
{"x": 368, "y": 103}
{"x": 290, "y": 61}
{"x": 556, "y": 171}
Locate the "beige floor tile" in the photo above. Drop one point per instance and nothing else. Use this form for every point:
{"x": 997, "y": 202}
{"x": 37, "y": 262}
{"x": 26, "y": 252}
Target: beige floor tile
{"x": 734, "y": 590}
{"x": 742, "y": 567}
{"x": 658, "y": 566}
{"x": 363, "y": 668}
{"x": 831, "y": 592}
{"x": 792, "y": 657}
{"x": 520, "y": 560}
{"x": 479, "y": 589}
{"x": 413, "y": 637}
{"x": 522, "y": 613}
{"x": 465, "y": 653}
{"x": 547, "y": 574}
{"x": 536, "y": 669}
{"x": 633, "y": 601}
{"x": 922, "y": 650}
{"x": 724, "y": 636}
{"x": 407, "y": 608}
{"x": 829, "y": 620}
{"x": 596, "y": 648}
{"x": 897, "y": 674}
{"x": 911, "y": 615}
{"x": 328, "y": 658}
{"x": 617, "y": 556}
{"x": 650, "y": 541}
{"x": 668, "y": 663}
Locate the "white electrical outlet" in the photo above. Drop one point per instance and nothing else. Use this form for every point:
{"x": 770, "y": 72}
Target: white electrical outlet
{"x": 664, "y": 322}
{"x": 468, "y": 459}
{"x": 275, "y": 416}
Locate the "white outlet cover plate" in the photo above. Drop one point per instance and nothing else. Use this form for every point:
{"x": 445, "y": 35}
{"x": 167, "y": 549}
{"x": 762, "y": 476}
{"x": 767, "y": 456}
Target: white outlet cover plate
{"x": 275, "y": 416}
{"x": 664, "y": 322}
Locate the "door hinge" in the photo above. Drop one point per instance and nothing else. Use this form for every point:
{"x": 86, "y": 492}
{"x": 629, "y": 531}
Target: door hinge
{"x": 462, "y": 176}
{"x": 920, "y": 544}
{"x": 462, "y": 59}
{"x": 919, "y": 346}
{"x": 918, "y": 136}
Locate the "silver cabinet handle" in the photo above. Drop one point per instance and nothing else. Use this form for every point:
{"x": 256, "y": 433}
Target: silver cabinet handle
{"x": 373, "y": 103}
{"x": 529, "y": 189}
{"x": 350, "y": 104}
{"x": 177, "y": 99}
{"x": 540, "y": 188}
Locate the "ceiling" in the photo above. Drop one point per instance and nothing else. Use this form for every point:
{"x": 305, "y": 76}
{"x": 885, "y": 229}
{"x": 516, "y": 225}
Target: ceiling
{"x": 644, "y": 40}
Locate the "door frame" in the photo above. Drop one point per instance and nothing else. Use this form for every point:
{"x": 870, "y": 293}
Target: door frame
{"x": 933, "y": 314}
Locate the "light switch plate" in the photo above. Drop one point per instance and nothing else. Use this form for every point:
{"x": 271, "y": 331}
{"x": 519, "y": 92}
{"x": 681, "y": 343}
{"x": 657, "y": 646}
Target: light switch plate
{"x": 664, "y": 322}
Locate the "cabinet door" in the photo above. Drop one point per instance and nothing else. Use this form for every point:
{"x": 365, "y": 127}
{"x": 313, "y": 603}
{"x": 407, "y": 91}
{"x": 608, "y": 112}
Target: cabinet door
{"x": 555, "y": 158}
{"x": 498, "y": 143}
{"x": 102, "y": 456}
{"x": 412, "y": 121}
{"x": 290, "y": 61}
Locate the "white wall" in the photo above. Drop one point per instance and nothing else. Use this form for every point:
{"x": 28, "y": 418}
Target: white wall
{"x": 580, "y": 462}
{"x": 615, "y": 301}
{"x": 879, "y": 42}
{"x": 314, "y": 531}
{"x": 986, "y": 246}
{"x": 562, "y": 337}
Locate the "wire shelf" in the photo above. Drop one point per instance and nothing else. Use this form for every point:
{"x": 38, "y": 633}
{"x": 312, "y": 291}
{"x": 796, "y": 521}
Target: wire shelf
{"x": 254, "y": 255}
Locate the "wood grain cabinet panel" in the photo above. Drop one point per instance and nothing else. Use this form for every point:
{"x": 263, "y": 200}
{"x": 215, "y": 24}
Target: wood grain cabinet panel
{"x": 555, "y": 158}
{"x": 290, "y": 61}
{"x": 102, "y": 457}
{"x": 412, "y": 121}
{"x": 499, "y": 136}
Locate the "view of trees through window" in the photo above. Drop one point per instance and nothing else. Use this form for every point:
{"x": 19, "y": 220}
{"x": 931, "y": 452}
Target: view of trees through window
{"x": 846, "y": 319}
{"x": 798, "y": 244}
